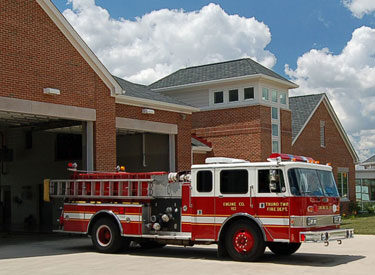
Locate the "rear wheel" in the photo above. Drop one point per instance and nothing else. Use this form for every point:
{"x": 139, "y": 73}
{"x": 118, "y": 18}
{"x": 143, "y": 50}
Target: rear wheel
{"x": 283, "y": 248}
{"x": 244, "y": 242}
{"x": 106, "y": 236}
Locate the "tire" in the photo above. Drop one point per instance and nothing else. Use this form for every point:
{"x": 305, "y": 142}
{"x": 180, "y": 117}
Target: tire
{"x": 283, "y": 248}
{"x": 244, "y": 242}
{"x": 151, "y": 244}
{"x": 106, "y": 236}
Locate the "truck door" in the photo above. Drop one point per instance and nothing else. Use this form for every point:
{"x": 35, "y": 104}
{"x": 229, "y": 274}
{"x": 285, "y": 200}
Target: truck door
{"x": 203, "y": 200}
{"x": 272, "y": 204}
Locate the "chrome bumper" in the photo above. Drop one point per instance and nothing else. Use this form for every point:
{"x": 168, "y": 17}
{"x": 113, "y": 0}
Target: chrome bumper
{"x": 326, "y": 236}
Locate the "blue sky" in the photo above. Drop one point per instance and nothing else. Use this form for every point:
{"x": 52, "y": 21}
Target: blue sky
{"x": 322, "y": 45}
{"x": 296, "y": 25}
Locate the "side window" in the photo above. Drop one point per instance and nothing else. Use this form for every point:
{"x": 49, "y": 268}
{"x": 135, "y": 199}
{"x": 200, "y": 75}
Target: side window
{"x": 204, "y": 181}
{"x": 234, "y": 181}
{"x": 264, "y": 179}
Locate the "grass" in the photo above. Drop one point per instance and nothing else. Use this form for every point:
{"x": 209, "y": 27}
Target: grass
{"x": 362, "y": 223}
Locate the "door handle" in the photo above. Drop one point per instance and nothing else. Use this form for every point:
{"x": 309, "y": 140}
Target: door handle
{"x": 220, "y": 196}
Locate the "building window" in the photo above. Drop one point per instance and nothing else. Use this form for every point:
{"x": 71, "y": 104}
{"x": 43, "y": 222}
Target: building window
{"x": 233, "y": 95}
{"x": 275, "y": 146}
{"x": 342, "y": 184}
{"x": 265, "y": 94}
{"x": 204, "y": 181}
{"x": 274, "y": 113}
{"x": 249, "y": 93}
{"x": 234, "y": 181}
{"x": 322, "y": 133}
{"x": 218, "y": 97}
{"x": 282, "y": 98}
{"x": 275, "y": 130}
{"x": 274, "y": 96}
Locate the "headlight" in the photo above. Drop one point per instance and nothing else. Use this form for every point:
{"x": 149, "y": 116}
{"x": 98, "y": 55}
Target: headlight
{"x": 311, "y": 221}
{"x": 336, "y": 219}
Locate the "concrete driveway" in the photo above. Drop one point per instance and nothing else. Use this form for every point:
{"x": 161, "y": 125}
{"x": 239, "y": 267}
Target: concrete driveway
{"x": 54, "y": 254}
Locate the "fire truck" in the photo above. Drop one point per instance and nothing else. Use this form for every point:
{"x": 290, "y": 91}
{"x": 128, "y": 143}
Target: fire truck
{"x": 241, "y": 206}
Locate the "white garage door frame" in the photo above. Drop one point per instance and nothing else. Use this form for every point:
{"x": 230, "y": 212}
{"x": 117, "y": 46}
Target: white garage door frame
{"x": 86, "y": 115}
{"x": 153, "y": 127}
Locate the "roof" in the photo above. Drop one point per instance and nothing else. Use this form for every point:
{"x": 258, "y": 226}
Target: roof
{"x": 369, "y": 160}
{"x": 142, "y": 91}
{"x": 302, "y": 108}
{"x": 198, "y": 144}
{"x": 216, "y": 71}
{"x": 73, "y": 37}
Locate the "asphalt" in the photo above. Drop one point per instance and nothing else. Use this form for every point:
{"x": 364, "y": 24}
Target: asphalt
{"x": 64, "y": 254}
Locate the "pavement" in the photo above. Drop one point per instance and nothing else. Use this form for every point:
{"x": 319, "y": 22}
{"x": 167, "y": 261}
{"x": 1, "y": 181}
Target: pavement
{"x": 63, "y": 254}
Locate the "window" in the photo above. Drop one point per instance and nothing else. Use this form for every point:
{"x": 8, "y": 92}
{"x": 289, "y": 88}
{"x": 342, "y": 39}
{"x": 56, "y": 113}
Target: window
{"x": 342, "y": 184}
{"x": 282, "y": 98}
{"x": 204, "y": 181}
{"x": 275, "y": 146}
{"x": 274, "y": 113}
{"x": 233, "y": 95}
{"x": 275, "y": 130}
{"x": 264, "y": 179}
{"x": 274, "y": 96}
{"x": 265, "y": 94}
{"x": 322, "y": 133}
{"x": 218, "y": 97}
{"x": 249, "y": 93}
{"x": 234, "y": 181}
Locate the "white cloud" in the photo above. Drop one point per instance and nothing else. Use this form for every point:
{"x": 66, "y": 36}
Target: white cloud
{"x": 360, "y": 7}
{"x": 163, "y": 41}
{"x": 349, "y": 80}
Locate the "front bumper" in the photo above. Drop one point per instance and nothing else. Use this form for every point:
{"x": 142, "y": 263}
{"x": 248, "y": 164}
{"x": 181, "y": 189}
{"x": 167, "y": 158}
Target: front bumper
{"x": 326, "y": 235}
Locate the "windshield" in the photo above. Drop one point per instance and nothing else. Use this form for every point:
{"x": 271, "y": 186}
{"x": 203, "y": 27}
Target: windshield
{"x": 312, "y": 183}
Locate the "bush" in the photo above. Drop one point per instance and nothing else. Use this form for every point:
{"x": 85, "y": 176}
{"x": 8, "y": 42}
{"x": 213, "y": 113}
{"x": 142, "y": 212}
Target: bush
{"x": 369, "y": 207}
{"x": 354, "y": 208}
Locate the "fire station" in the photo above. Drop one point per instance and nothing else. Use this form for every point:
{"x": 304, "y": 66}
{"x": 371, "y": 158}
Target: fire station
{"x": 59, "y": 103}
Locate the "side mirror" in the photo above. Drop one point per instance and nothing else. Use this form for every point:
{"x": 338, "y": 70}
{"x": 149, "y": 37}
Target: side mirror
{"x": 274, "y": 181}
{"x": 273, "y": 186}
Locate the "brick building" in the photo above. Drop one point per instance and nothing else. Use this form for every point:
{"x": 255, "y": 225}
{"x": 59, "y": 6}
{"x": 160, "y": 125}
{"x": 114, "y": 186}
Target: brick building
{"x": 246, "y": 113}
{"x": 58, "y": 103}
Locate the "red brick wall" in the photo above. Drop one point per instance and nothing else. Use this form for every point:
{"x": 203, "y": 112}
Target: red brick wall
{"x": 183, "y": 122}
{"x": 243, "y": 132}
{"x": 34, "y": 54}
{"x": 199, "y": 158}
{"x": 335, "y": 151}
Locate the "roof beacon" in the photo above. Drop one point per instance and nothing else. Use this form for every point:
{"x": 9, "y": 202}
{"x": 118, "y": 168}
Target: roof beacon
{"x": 288, "y": 157}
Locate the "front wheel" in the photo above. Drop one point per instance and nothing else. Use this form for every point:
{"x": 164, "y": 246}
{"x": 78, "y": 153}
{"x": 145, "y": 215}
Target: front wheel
{"x": 283, "y": 248}
{"x": 106, "y": 236}
{"x": 244, "y": 242}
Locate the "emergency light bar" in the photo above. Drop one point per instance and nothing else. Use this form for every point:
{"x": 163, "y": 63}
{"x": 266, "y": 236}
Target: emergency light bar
{"x": 288, "y": 157}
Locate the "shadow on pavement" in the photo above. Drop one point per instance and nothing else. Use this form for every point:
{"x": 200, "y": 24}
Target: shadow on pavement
{"x": 209, "y": 253}
{"x": 14, "y": 246}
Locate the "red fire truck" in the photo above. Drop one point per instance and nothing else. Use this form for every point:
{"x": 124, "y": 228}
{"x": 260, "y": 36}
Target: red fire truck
{"x": 241, "y": 206}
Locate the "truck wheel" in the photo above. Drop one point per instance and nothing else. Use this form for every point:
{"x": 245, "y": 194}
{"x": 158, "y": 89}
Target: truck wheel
{"x": 244, "y": 242}
{"x": 283, "y": 248}
{"x": 106, "y": 236}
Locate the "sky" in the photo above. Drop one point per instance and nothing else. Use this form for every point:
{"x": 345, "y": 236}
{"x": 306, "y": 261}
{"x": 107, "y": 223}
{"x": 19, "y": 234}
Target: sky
{"x": 324, "y": 46}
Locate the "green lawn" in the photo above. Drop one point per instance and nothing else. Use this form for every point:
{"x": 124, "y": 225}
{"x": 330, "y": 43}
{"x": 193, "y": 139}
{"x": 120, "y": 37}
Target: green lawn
{"x": 362, "y": 224}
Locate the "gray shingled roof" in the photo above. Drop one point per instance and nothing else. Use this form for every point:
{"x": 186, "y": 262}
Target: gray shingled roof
{"x": 195, "y": 142}
{"x": 215, "y": 71}
{"x": 372, "y": 159}
{"x": 142, "y": 91}
{"x": 302, "y": 107}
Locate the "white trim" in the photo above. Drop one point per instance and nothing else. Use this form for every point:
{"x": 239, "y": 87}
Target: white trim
{"x": 289, "y": 85}
{"x": 80, "y": 46}
{"x": 16, "y": 105}
{"x": 143, "y": 102}
{"x": 146, "y": 126}
{"x": 200, "y": 149}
